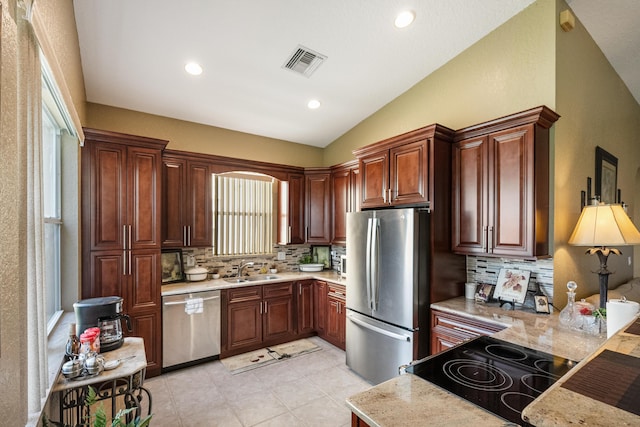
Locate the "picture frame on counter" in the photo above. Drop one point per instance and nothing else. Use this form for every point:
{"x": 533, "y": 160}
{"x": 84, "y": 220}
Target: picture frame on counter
{"x": 172, "y": 266}
{"x": 321, "y": 255}
{"x": 512, "y": 285}
{"x": 542, "y": 304}
{"x": 483, "y": 292}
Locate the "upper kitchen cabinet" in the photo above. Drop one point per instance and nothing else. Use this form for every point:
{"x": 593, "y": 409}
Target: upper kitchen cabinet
{"x": 121, "y": 243}
{"x": 186, "y": 201}
{"x": 291, "y": 223}
{"x": 399, "y": 171}
{"x": 318, "y": 206}
{"x": 345, "y": 188}
{"x": 501, "y": 186}
{"x": 120, "y": 181}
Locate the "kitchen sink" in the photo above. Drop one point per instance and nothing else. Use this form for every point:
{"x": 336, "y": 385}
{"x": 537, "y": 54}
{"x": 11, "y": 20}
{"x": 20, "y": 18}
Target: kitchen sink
{"x": 251, "y": 278}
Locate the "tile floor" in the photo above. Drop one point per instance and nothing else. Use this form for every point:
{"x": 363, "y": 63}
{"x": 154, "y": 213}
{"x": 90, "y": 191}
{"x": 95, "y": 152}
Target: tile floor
{"x": 308, "y": 390}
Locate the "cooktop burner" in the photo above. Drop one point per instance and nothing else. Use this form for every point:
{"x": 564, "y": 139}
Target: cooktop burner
{"x": 496, "y": 375}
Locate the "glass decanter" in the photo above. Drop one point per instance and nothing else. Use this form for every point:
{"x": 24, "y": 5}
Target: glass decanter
{"x": 569, "y": 316}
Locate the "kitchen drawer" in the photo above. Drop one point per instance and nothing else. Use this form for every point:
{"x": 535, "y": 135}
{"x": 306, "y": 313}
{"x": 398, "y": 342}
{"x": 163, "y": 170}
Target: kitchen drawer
{"x": 277, "y": 290}
{"x": 249, "y": 293}
{"x": 463, "y": 325}
{"x": 336, "y": 291}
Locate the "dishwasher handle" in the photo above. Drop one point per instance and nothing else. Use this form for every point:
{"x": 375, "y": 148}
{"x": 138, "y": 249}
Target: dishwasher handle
{"x": 183, "y": 302}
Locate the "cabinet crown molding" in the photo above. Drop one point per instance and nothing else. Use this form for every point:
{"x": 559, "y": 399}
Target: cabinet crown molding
{"x": 542, "y": 116}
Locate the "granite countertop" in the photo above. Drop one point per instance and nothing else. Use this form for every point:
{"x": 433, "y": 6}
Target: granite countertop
{"x": 217, "y": 284}
{"x": 559, "y": 406}
{"x": 410, "y": 400}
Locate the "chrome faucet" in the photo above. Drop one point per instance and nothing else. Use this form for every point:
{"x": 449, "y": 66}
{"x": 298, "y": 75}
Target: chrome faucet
{"x": 243, "y": 265}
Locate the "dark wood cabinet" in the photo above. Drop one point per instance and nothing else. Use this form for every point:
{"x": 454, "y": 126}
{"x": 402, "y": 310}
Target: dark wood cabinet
{"x": 501, "y": 186}
{"x": 305, "y": 301}
{"x": 318, "y": 206}
{"x": 121, "y": 233}
{"x": 336, "y": 315}
{"x": 345, "y": 186}
{"x": 399, "y": 171}
{"x": 257, "y": 316}
{"x": 186, "y": 202}
{"x": 448, "y": 329}
{"x": 291, "y": 223}
{"x": 320, "y": 307}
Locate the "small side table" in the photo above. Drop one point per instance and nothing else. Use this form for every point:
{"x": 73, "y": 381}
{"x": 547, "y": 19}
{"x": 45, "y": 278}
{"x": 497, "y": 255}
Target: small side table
{"x": 122, "y": 385}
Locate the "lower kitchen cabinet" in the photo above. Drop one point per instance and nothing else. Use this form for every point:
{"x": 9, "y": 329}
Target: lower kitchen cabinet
{"x": 449, "y": 329}
{"x": 320, "y": 307}
{"x": 336, "y": 317}
{"x": 256, "y": 317}
{"x": 305, "y": 290}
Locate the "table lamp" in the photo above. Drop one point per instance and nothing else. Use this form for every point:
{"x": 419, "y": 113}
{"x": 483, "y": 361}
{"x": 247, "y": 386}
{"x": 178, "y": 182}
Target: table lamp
{"x": 600, "y": 226}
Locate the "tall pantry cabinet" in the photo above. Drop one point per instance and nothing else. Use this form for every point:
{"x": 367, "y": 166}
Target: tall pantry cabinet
{"x": 121, "y": 234}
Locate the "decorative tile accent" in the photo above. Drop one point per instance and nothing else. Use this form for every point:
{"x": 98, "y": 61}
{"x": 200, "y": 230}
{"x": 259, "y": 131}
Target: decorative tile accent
{"x": 228, "y": 265}
{"x": 486, "y": 270}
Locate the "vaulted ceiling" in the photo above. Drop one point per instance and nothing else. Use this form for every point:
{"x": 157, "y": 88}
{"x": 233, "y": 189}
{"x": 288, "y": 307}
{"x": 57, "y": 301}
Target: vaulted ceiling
{"x": 134, "y": 53}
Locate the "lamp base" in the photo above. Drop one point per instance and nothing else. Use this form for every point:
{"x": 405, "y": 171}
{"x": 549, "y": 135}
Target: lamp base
{"x": 603, "y": 273}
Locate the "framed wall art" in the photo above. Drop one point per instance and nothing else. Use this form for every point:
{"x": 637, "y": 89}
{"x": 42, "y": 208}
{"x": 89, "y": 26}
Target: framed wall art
{"x": 512, "y": 285}
{"x": 542, "y": 304}
{"x": 606, "y": 176}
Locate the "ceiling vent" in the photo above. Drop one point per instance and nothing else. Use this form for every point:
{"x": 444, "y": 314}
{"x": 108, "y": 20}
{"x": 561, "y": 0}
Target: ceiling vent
{"x": 304, "y": 61}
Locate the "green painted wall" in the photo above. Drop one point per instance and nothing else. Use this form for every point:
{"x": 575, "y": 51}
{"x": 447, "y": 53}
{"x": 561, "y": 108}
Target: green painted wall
{"x": 189, "y": 136}
{"x": 511, "y": 69}
{"x": 597, "y": 110}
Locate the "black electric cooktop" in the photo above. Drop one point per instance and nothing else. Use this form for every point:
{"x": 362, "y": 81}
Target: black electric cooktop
{"x": 496, "y": 375}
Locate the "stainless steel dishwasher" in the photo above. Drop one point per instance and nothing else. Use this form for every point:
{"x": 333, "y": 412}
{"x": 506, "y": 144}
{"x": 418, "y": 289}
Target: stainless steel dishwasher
{"x": 190, "y": 327}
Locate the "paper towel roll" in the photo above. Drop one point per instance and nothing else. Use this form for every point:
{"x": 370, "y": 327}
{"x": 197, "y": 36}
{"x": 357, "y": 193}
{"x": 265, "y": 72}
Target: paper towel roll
{"x": 619, "y": 314}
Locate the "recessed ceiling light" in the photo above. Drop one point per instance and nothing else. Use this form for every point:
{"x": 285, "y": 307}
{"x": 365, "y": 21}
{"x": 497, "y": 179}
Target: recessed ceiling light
{"x": 313, "y": 104}
{"x": 193, "y": 68}
{"x": 404, "y": 19}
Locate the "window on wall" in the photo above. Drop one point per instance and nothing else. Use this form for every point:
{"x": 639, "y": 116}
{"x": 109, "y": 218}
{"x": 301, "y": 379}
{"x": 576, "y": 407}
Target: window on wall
{"x": 244, "y": 214}
{"x": 51, "y": 134}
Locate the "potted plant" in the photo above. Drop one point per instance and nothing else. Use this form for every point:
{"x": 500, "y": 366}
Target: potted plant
{"x": 307, "y": 264}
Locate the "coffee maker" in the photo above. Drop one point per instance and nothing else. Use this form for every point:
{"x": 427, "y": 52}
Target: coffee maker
{"x": 104, "y": 313}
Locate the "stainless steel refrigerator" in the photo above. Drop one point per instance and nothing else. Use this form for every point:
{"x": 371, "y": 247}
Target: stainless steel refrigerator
{"x": 388, "y": 262}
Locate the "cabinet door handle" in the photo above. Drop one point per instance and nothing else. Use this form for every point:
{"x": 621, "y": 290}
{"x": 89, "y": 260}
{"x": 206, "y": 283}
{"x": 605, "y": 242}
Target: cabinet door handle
{"x": 289, "y": 234}
{"x": 184, "y": 235}
{"x": 306, "y": 234}
{"x": 299, "y": 288}
{"x": 265, "y": 307}
{"x": 189, "y": 235}
{"x": 129, "y": 262}
{"x": 130, "y": 246}
{"x": 484, "y": 238}
{"x": 390, "y": 199}
{"x": 490, "y": 238}
{"x": 124, "y": 262}
{"x": 124, "y": 237}
{"x": 384, "y": 195}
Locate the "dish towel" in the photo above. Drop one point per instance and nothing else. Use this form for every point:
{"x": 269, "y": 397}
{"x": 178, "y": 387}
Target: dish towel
{"x": 193, "y": 306}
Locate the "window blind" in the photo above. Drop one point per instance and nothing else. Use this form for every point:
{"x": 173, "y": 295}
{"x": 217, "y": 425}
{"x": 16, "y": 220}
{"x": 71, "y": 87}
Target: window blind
{"x": 243, "y": 215}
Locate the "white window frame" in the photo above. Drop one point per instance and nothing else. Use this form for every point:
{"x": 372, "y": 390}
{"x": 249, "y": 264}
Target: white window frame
{"x": 52, "y": 128}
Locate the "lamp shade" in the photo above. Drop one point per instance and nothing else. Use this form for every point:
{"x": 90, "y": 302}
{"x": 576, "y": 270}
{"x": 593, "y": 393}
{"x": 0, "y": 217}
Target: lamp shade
{"x": 604, "y": 225}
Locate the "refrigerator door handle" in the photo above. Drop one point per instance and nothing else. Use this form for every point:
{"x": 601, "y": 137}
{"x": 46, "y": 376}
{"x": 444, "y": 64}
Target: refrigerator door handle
{"x": 367, "y": 263}
{"x": 379, "y": 330}
{"x": 375, "y": 251}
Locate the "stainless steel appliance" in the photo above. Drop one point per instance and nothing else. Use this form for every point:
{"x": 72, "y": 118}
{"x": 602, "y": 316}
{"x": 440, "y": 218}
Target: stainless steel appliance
{"x": 190, "y": 327}
{"x": 496, "y": 375}
{"x": 105, "y": 313}
{"x": 387, "y": 290}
